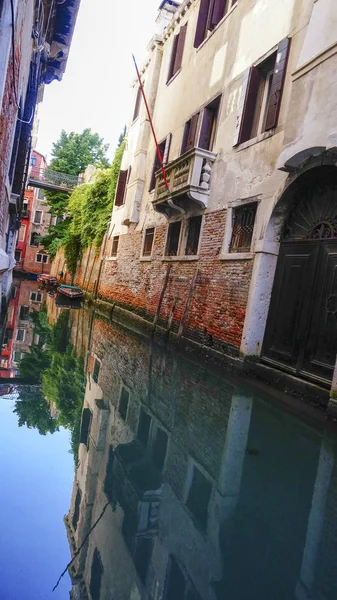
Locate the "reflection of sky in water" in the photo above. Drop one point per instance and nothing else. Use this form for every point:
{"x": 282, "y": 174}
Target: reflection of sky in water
{"x": 36, "y": 474}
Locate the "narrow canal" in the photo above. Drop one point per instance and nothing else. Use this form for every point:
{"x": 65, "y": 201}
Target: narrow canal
{"x": 154, "y": 475}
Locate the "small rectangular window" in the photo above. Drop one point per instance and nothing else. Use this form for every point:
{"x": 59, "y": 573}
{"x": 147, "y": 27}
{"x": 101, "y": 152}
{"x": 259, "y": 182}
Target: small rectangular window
{"x": 108, "y": 481}
{"x": 20, "y": 335}
{"x": 114, "y": 247}
{"x": 193, "y": 235}
{"x": 96, "y": 576}
{"x": 243, "y": 226}
{"x": 208, "y": 124}
{"x": 22, "y": 233}
{"x": 36, "y": 296}
{"x": 24, "y": 312}
{"x": 137, "y": 104}
{"x": 121, "y": 187}
{"x": 199, "y": 496}
{"x": 85, "y": 426}
{"x": 17, "y": 356}
{"x": 96, "y": 370}
{"x": 34, "y": 239}
{"x": 123, "y": 403}
{"x": 159, "y": 448}
{"x": 148, "y": 241}
{"x": 38, "y": 217}
{"x": 76, "y": 513}
{"x": 40, "y": 194}
{"x": 177, "y": 52}
{"x": 17, "y": 255}
{"x": 173, "y": 237}
{"x": 144, "y": 425}
{"x": 190, "y": 134}
{"x": 41, "y": 258}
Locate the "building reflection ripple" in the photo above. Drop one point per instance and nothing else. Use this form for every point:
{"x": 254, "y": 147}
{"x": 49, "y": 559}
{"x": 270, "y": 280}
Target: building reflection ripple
{"x": 208, "y": 490}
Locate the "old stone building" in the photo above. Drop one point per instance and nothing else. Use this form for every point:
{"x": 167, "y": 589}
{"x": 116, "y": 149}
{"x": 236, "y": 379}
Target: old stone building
{"x": 181, "y": 473}
{"x": 35, "y": 37}
{"x": 238, "y": 251}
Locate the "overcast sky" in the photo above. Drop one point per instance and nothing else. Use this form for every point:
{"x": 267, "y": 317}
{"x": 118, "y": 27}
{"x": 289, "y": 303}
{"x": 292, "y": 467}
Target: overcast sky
{"x": 96, "y": 88}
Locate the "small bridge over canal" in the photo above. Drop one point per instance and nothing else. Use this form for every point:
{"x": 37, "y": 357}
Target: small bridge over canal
{"x": 47, "y": 179}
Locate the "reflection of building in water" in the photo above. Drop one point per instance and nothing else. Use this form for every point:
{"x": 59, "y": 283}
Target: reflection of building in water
{"x": 209, "y": 491}
{"x": 19, "y": 332}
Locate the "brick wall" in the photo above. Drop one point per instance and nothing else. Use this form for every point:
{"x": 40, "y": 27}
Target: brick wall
{"x": 216, "y": 313}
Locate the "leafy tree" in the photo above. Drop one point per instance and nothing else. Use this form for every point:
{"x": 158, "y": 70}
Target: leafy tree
{"x": 73, "y": 152}
{"x": 34, "y": 412}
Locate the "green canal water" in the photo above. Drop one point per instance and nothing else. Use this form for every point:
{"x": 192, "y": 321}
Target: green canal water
{"x": 157, "y": 476}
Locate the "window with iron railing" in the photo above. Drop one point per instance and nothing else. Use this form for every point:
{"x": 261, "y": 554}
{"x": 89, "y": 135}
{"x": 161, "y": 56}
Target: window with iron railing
{"x": 243, "y": 227}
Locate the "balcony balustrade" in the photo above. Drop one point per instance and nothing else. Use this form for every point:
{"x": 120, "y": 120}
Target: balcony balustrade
{"x": 189, "y": 183}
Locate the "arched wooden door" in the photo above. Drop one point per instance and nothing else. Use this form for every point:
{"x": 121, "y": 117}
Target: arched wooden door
{"x": 301, "y": 333}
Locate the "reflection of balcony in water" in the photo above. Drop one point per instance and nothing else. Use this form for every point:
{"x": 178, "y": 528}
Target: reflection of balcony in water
{"x": 240, "y": 509}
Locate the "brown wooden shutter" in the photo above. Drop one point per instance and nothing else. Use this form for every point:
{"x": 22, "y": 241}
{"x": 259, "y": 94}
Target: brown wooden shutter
{"x": 167, "y": 148}
{"x": 120, "y": 191}
{"x": 277, "y": 84}
{"x": 244, "y": 119}
{"x": 180, "y": 48}
{"x": 173, "y": 57}
{"x": 219, "y": 9}
{"x": 200, "y": 31}
{"x": 137, "y": 104}
{"x": 190, "y": 143}
{"x": 206, "y": 129}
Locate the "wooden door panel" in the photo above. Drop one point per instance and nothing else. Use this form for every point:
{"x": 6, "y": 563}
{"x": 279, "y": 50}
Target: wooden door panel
{"x": 321, "y": 343}
{"x": 290, "y": 302}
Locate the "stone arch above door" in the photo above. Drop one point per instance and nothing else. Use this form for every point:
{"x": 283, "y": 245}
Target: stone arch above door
{"x": 278, "y": 227}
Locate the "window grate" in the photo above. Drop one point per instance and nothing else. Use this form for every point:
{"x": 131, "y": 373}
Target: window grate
{"x": 243, "y": 226}
{"x": 193, "y": 236}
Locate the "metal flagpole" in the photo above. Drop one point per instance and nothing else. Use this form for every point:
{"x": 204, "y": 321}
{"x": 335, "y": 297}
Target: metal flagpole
{"x": 160, "y": 158}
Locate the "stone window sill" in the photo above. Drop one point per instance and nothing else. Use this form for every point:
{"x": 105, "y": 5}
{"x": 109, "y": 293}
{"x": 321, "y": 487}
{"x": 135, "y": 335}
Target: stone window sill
{"x": 211, "y": 33}
{"x": 173, "y": 77}
{"x": 111, "y": 258}
{"x": 145, "y": 258}
{"x": 256, "y": 140}
{"x": 180, "y": 258}
{"x": 237, "y": 256}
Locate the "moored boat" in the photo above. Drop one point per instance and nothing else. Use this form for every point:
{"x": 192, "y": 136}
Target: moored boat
{"x": 47, "y": 281}
{"x": 71, "y": 291}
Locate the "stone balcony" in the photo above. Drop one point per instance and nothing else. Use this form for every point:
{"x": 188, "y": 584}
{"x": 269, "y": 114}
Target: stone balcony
{"x": 189, "y": 182}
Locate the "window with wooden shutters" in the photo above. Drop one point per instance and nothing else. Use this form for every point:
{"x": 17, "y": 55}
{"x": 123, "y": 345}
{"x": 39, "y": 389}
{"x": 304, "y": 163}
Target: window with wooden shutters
{"x": 148, "y": 242}
{"x": 177, "y": 52}
{"x": 164, "y": 148}
{"x": 261, "y": 95}
{"x": 208, "y": 124}
{"x": 137, "y": 104}
{"x": 210, "y": 14}
{"x": 173, "y": 237}
{"x": 114, "y": 247}
{"x": 243, "y": 218}
{"x": 190, "y": 134}
{"x": 121, "y": 185}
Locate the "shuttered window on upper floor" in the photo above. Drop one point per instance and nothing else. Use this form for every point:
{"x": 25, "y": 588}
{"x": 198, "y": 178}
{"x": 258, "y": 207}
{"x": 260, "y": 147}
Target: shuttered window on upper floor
{"x": 210, "y": 14}
{"x": 261, "y": 95}
{"x": 137, "y": 104}
{"x": 177, "y": 52}
{"x": 121, "y": 186}
{"x": 164, "y": 149}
